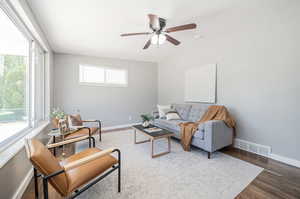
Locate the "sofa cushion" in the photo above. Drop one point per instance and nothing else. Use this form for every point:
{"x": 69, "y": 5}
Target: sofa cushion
{"x": 197, "y": 111}
{"x": 173, "y": 125}
{"x": 172, "y": 115}
{"x": 183, "y": 110}
{"x": 162, "y": 109}
{"x": 169, "y": 124}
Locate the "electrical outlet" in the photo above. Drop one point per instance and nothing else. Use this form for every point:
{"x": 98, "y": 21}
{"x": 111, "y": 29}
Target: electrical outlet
{"x": 130, "y": 118}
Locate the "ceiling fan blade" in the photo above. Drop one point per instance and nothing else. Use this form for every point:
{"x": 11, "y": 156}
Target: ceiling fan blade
{"x": 132, "y": 34}
{"x": 153, "y": 21}
{"x": 147, "y": 44}
{"x": 172, "y": 40}
{"x": 180, "y": 28}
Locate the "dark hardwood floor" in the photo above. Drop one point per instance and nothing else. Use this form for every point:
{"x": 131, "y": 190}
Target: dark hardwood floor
{"x": 276, "y": 181}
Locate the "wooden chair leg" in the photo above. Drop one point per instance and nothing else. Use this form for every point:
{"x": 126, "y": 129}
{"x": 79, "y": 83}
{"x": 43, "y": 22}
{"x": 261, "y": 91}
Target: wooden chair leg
{"x": 119, "y": 179}
{"x": 94, "y": 142}
{"x": 45, "y": 188}
{"x": 36, "y": 187}
{"x": 100, "y": 132}
{"x": 119, "y": 171}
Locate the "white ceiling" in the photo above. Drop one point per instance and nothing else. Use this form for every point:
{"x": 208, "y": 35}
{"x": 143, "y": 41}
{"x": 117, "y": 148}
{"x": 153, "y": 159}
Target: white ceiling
{"x": 93, "y": 27}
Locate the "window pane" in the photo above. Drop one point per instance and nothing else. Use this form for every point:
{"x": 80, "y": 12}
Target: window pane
{"x": 91, "y": 74}
{"x": 39, "y": 60}
{"x": 115, "y": 76}
{"x": 14, "y": 50}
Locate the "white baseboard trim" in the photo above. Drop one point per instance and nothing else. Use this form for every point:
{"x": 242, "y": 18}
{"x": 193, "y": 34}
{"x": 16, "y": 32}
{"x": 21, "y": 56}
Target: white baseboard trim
{"x": 18, "y": 194}
{"x": 263, "y": 150}
{"x": 286, "y": 160}
{"x": 118, "y": 126}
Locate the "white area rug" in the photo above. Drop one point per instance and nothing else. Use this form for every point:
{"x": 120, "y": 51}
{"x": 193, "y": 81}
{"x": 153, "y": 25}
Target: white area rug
{"x": 177, "y": 175}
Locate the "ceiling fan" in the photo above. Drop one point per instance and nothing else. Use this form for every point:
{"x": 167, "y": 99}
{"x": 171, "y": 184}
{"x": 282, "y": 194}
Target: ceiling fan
{"x": 159, "y": 34}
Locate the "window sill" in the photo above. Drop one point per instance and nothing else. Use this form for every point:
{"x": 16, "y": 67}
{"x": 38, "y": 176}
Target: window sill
{"x": 12, "y": 150}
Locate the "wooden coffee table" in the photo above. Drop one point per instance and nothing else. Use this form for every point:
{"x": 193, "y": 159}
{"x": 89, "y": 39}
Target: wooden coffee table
{"x": 153, "y": 136}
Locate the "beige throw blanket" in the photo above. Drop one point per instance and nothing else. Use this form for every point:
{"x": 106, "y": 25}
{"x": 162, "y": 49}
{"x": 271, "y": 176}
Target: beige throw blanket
{"x": 213, "y": 113}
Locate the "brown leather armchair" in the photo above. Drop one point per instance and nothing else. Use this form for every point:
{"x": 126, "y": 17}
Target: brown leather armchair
{"x": 83, "y": 131}
{"x": 66, "y": 177}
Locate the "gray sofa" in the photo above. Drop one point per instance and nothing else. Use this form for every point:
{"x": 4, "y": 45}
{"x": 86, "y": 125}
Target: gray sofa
{"x": 210, "y": 136}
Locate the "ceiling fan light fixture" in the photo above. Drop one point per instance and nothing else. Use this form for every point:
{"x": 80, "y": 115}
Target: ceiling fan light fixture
{"x": 158, "y": 32}
{"x": 158, "y": 39}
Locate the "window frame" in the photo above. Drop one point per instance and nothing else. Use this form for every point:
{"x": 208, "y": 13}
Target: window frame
{"x": 104, "y": 84}
{"x": 30, "y": 79}
{"x": 37, "y": 75}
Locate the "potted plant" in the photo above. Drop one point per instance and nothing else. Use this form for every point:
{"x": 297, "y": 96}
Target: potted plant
{"x": 56, "y": 115}
{"x": 146, "y": 118}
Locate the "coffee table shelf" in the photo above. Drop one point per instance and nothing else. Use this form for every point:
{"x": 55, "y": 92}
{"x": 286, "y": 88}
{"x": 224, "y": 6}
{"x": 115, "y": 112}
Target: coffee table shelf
{"x": 152, "y": 137}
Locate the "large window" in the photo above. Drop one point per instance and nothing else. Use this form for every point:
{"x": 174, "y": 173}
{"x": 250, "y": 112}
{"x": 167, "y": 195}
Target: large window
{"x": 14, "y": 65}
{"x": 102, "y": 76}
{"x": 21, "y": 80}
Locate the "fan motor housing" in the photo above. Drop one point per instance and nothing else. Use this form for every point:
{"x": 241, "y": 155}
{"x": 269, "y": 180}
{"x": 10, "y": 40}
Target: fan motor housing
{"x": 158, "y": 25}
{"x": 162, "y": 23}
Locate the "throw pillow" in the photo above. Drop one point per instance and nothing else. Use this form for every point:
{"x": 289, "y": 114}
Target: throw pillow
{"x": 74, "y": 120}
{"x": 172, "y": 115}
{"x": 161, "y": 110}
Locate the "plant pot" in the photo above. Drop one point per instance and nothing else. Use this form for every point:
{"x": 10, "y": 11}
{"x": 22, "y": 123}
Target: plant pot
{"x": 146, "y": 124}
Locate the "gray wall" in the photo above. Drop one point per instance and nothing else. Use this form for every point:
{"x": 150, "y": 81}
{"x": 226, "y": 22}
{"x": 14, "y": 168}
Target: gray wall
{"x": 15, "y": 170}
{"x": 112, "y": 105}
{"x": 256, "y": 46}
{"x": 13, "y": 173}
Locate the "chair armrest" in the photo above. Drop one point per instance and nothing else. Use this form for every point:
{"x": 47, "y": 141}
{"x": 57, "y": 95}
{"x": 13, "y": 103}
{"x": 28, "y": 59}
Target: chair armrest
{"x": 90, "y": 120}
{"x": 98, "y": 121}
{"x": 87, "y": 159}
{"x": 54, "y": 145}
{"x": 78, "y": 127}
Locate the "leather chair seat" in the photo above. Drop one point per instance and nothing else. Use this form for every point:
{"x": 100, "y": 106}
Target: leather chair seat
{"x": 79, "y": 176}
{"x": 81, "y": 132}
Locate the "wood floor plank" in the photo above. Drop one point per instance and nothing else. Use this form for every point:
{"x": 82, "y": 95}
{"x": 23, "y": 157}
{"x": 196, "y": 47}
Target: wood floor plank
{"x": 278, "y": 180}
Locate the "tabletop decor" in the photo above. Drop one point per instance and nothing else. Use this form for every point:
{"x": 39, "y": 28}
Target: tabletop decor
{"x": 146, "y": 118}
{"x": 56, "y": 115}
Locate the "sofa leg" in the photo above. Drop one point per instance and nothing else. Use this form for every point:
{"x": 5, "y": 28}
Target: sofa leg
{"x": 208, "y": 155}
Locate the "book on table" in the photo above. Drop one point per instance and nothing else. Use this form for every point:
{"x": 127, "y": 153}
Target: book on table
{"x": 152, "y": 129}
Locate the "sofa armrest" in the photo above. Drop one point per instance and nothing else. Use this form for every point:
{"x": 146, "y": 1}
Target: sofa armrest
{"x": 216, "y": 135}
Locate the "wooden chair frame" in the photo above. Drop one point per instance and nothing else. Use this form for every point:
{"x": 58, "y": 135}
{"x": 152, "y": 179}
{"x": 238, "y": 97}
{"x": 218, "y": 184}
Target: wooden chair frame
{"x": 99, "y": 126}
{"x": 89, "y": 137}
